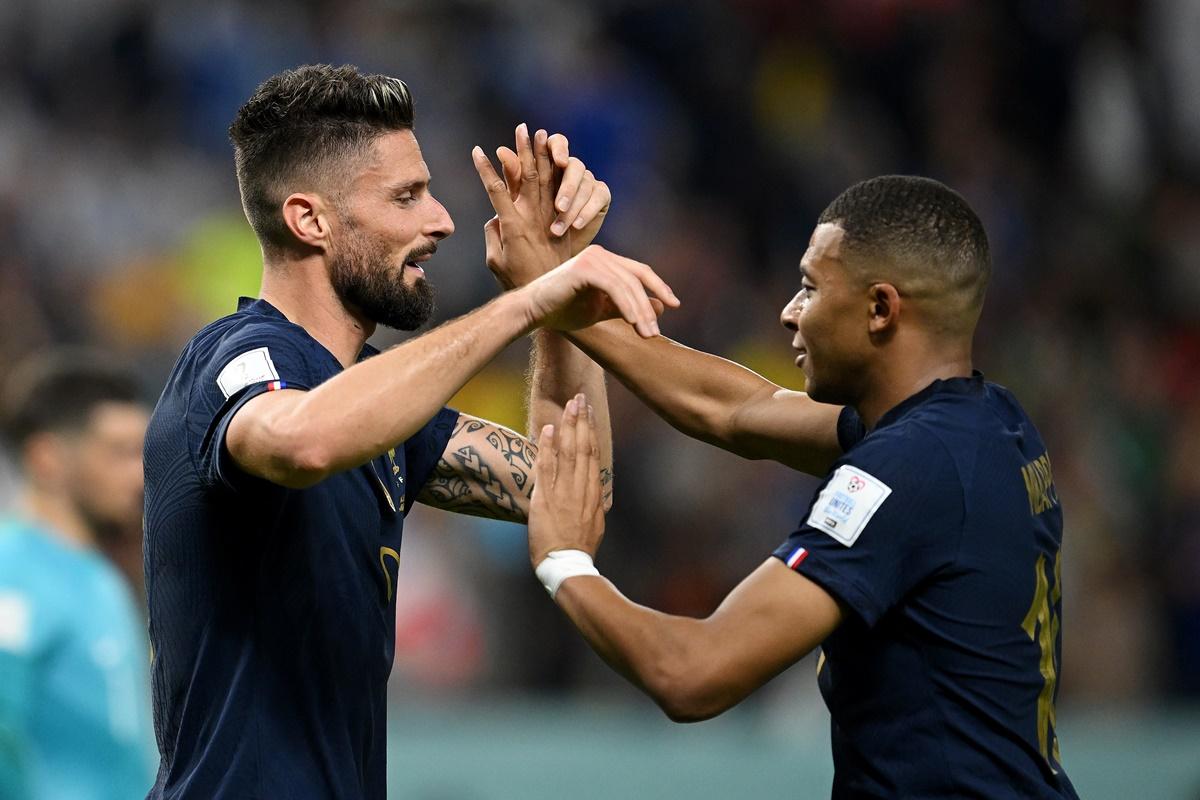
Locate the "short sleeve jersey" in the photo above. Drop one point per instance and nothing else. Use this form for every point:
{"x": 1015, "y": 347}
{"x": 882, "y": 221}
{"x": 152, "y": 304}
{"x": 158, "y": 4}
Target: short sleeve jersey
{"x": 939, "y": 533}
{"x": 272, "y": 610}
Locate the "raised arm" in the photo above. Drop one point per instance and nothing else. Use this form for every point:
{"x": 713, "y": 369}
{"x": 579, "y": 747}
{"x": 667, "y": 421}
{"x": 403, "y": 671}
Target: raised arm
{"x": 693, "y": 668}
{"x": 718, "y": 401}
{"x": 298, "y": 438}
{"x": 704, "y": 396}
{"x": 559, "y": 192}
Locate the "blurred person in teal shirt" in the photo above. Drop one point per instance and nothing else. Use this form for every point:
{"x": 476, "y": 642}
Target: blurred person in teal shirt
{"x": 74, "y": 693}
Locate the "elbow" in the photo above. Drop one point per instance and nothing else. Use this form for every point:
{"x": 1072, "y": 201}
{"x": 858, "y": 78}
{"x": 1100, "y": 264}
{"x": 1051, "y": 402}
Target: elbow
{"x": 301, "y": 458}
{"x": 306, "y": 466}
{"x": 683, "y": 694}
{"x": 685, "y": 704}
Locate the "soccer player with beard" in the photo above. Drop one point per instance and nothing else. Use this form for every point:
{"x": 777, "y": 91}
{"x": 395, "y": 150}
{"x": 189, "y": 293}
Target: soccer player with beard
{"x": 285, "y": 452}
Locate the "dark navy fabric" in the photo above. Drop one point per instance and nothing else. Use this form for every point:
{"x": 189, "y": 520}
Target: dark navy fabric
{"x": 272, "y": 610}
{"x": 936, "y": 679}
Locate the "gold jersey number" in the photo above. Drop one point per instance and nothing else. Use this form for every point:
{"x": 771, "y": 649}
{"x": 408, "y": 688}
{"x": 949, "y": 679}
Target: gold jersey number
{"x": 1041, "y": 625}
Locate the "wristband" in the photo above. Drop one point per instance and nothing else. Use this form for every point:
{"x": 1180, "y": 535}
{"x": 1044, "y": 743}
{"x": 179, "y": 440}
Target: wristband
{"x": 559, "y": 565}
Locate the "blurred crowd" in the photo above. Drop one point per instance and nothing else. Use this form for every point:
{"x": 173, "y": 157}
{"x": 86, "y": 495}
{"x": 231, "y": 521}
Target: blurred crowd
{"x": 723, "y": 129}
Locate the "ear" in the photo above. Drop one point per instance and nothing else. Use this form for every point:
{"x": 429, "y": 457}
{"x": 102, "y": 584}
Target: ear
{"x": 884, "y": 309}
{"x": 307, "y": 218}
{"x": 44, "y": 457}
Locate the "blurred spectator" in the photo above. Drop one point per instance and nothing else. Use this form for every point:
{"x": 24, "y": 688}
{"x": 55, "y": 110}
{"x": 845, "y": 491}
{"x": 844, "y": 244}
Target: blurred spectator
{"x": 74, "y": 693}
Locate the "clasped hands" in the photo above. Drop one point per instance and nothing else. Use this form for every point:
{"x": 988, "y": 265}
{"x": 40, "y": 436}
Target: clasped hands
{"x": 549, "y": 207}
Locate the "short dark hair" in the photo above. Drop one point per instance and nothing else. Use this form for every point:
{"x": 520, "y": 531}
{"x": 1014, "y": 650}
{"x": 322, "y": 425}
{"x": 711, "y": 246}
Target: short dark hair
{"x": 297, "y": 123}
{"x": 59, "y": 390}
{"x": 912, "y": 220}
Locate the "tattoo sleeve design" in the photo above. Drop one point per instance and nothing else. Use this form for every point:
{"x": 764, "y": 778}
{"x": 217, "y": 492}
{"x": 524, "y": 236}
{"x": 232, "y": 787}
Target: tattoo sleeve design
{"x": 486, "y": 471}
{"x": 606, "y": 491}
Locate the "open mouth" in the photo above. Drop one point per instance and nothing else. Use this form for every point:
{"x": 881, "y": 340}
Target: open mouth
{"x": 419, "y": 256}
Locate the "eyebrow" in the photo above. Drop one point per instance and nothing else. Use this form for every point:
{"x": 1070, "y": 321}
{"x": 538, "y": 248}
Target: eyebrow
{"x": 804, "y": 273}
{"x": 408, "y": 186}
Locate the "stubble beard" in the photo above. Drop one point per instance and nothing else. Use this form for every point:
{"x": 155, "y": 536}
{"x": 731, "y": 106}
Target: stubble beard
{"x": 364, "y": 277}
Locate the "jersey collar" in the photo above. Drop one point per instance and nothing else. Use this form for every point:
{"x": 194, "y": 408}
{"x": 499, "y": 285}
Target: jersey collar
{"x": 971, "y": 385}
{"x": 256, "y": 305}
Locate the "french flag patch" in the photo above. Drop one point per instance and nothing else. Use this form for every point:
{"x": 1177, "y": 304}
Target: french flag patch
{"x": 275, "y": 386}
{"x": 796, "y": 557}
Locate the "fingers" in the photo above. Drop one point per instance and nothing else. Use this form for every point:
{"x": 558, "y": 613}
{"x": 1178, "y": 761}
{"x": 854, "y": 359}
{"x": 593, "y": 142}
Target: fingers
{"x": 510, "y": 163}
{"x": 626, "y": 294}
{"x": 571, "y": 195}
{"x": 596, "y": 206}
{"x": 546, "y": 173}
{"x": 628, "y": 284}
{"x": 566, "y": 433}
{"x": 547, "y": 459}
{"x": 493, "y": 184}
{"x": 530, "y": 188}
{"x": 649, "y": 279}
{"x": 582, "y": 446}
{"x": 560, "y": 152}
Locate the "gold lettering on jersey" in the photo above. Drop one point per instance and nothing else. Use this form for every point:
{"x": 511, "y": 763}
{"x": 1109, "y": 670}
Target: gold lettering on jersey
{"x": 384, "y": 552}
{"x": 1041, "y": 625}
{"x": 1039, "y": 483}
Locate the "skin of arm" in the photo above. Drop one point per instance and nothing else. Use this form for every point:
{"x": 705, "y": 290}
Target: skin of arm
{"x": 485, "y": 471}
{"x": 693, "y": 668}
{"x": 296, "y": 438}
{"x": 718, "y": 401}
{"x": 543, "y": 181}
{"x": 702, "y": 395}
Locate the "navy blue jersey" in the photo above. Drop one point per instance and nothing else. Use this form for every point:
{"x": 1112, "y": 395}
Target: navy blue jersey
{"x": 939, "y": 532}
{"x": 272, "y": 610}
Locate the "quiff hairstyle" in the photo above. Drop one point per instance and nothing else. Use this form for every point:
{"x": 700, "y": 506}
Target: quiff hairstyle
{"x": 297, "y": 130}
{"x": 920, "y": 235}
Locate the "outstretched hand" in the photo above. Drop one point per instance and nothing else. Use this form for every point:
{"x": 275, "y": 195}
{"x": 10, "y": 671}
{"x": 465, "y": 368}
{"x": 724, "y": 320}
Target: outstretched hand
{"x": 547, "y": 202}
{"x": 566, "y": 511}
{"x": 597, "y": 285}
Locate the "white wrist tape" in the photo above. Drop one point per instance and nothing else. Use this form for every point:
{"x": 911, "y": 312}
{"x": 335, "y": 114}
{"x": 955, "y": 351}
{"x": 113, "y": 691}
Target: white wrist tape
{"x": 559, "y": 565}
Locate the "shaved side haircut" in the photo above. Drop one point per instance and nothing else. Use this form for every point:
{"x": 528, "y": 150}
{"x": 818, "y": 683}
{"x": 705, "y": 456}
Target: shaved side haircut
{"x": 297, "y": 132}
{"x": 921, "y": 236}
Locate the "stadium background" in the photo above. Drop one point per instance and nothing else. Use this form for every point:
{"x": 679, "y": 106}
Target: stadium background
{"x": 723, "y": 129}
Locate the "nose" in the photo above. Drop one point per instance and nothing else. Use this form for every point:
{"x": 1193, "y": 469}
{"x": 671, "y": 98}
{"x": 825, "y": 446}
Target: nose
{"x": 790, "y": 313}
{"x": 440, "y": 224}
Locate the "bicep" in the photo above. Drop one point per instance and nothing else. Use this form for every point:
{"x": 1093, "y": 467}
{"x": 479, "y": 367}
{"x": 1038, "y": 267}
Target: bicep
{"x": 262, "y": 440}
{"x": 789, "y": 427}
{"x": 771, "y": 620}
{"x": 486, "y": 470}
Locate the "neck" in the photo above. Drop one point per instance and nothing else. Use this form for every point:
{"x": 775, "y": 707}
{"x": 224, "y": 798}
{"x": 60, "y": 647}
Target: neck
{"x": 898, "y": 379}
{"x": 61, "y": 518}
{"x": 301, "y": 290}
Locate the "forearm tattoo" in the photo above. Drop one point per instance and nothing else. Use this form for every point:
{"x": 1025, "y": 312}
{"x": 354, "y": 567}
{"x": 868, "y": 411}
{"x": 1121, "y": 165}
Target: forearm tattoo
{"x": 606, "y": 492}
{"x": 485, "y": 475}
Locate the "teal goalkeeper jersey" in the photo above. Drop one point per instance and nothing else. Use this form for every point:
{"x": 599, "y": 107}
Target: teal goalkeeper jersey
{"x": 74, "y": 693}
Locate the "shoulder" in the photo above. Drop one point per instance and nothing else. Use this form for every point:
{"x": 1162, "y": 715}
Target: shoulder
{"x": 903, "y": 449}
{"x": 243, "y": 349}
{"x": 907, "y": 465}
